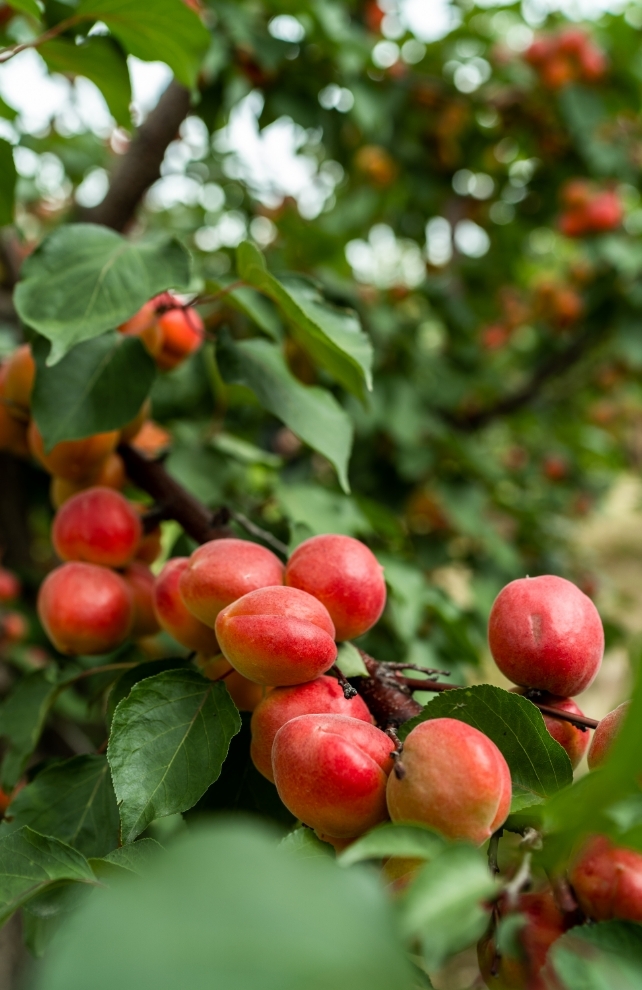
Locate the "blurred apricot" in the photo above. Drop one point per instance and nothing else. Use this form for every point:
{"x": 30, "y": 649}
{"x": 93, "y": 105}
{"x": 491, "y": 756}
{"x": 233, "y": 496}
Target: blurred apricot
{"x": 74, "y": 460}
{"x": 19, "y": 375}
{"x": 151, "y": 440}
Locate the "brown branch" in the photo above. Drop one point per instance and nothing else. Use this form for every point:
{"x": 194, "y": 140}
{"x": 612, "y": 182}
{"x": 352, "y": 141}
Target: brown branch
{"x": 556, "y": 365}
{"x": 53, "y": 32}
{"x": 174, "y": 500}
{"x": 140, "y": 166}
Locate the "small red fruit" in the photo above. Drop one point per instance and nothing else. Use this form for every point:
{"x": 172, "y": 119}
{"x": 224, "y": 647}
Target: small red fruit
{"x": 85, "y": 609}
{"x": 99, "y": 526}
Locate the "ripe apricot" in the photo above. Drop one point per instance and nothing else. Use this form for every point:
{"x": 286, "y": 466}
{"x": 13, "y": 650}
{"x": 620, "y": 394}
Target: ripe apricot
{"x": 343, "y": 574}
{"x": 245, "y": 694}
{"x": 9, "y": 586}
{"x": 456, "y": 781}
{"x": 545, "y": 633}
{"x": 144, "y": 325}
{"x": 18, "y": 382}
{"x": 331, "y": 771}
{"x": 85, "y": 608}
{"x": 182, "y": 331}
{"x": 323, "y": 696}
{"x": 221, "y": 571}
{"x": 607, "y": 881}
{"x": 110, "y": 474}
{"x": 174, "y": 617}
{"x": 544, "y": 923}
{"x": 604, "y": 735}
{"x": 277, "y": 636}
{"x": 75, "y": 460}
{"x": 140, "y": 582}
{"x": 98, "y": 525}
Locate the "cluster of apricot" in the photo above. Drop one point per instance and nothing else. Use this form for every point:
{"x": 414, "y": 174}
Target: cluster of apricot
{"x": 589, "y": 209}
{"x": 13, "y": 626}
{"x": 566, "y": 57}
{"x": 169, "y": 331}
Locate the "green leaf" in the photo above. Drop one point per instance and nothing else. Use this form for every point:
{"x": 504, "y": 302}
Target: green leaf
{"x": 98, "y": 386}
{"x": 322, "y": 510}
{"x": 349, "y": 661}
{"x": 410, "y": 841}
{"x": 168, "y": 740}
{"x": 538, "y": 765}
{"x": 84, "y": 279}
{"x": 27, "y": 7}
{"x": 312, "y": 413}
{"x": 22, "y": 718}
{"x": 226, "y": 907}
{"x": 332, "y": 336}
{"x": 100, "y": 60}
{"x": 72, "y": 801}
{"x": 8, "y": 176}
{"x": 128, "y": 678}
{"x": 254, "y": 305}
{"x": 29, "y": 863}
{"x": 607, "y": 956}
{"x": 303, "y": 842}
{"x": 174, "y": 34}
{"x": 137, "y": 857}
{"x": 444, "y": 904}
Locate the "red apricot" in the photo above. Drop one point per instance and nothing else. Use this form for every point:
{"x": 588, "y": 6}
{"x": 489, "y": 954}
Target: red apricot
{"x": 545, "y": 633}
{"x": 9, "y": 586}
{"x": 98, "y": 525}
{"x": 544, "y": 924}
{"x": 14, "y": 627}
{"x": 343, "y": 574}
{"x": 607, "y": 881}
{"x": 456, "y": 781}
{"x": 182, "y": 331}
{"x": 174, "y": 617}
{"x": 604, "y": 735}
{"x": 277, "y": 636}
{"x": 18, "y": 382}
{"x": 140, "y": 582}
{"x": 604, "y": 212}
{"x": 85, "y": 608}
{"x": 323, "y": 696}
{"x": 221, "y": 571}
{"x": 75, "y": 460}
{"x": 331, "y": 770}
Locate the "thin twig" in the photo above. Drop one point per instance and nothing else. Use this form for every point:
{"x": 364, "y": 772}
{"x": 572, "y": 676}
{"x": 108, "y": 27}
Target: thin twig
{"x": 9, "y": 52}
{"x": 399, "y": 768}
{"x": 260, "y": 533}
{"x": 348, "y": 690}
{"x": 207, "y": 298}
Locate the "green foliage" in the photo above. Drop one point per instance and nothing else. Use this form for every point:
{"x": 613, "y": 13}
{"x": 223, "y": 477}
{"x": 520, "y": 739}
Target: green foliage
{"x": 98, "y": 386}
{"x": 72, "y": 801}
{"x": 7, "y": 182}
{"x": 100, "y": 60}
{"x": 22, "y": 717}
{"x": 607, "y": 956}
{"x": 136, "y": 857}
{"x": 312, "y": 413}
{"x": 30, "y": 863}
{"x": 196, "y": 897}
{"x": 168, "y": 741}
{"x": 392, "y": 839}
{"x": 539, "y": 766}
{"x": 84, "y": 279}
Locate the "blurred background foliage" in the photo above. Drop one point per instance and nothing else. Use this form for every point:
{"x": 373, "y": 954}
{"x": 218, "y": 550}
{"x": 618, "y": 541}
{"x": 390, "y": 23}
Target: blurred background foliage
{"x": 421, "y": 176}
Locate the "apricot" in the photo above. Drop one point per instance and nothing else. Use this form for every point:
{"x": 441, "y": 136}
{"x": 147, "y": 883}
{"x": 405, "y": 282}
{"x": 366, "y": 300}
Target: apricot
{"x": 331, "y": 771}
{"x": 545, "y": 633}
{"x": 245, "y": 694}
{"x": 85, "y": 609}
{"x": 14, "y": 627}
{"x": 343, "y": 574}
{"x": 221, "y": 571}
{"x": 18, "y": 383}
{"x": 574, "y": 740}
{"x": 604, "y": 212}
{"x": 151, "y": 440}
{"x": 182, "y": 333}
{"x": 110, "y": 474}
{"x": 98, "y": 525}
{"x": 140, "y": 581}
{"x": 607, "y": 881}
{"x": 277, "y": 636}
{"x": 174, "y": 617}
{"x": 75, "y": 460}
{"x": 323, "y": 696}
{"x": 144, "y": 325}
{"x": 604, "y": 735}
{"x": 9, "y": 586}
{"x": 456, "y": 781}
{"x": 150, "y": 546}
{"x": 544, "y": 924}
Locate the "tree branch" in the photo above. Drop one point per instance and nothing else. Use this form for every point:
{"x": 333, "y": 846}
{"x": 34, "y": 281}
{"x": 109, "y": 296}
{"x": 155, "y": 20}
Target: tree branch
{"x": 140, "y": 166}
{"x": 556, "y": 365}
